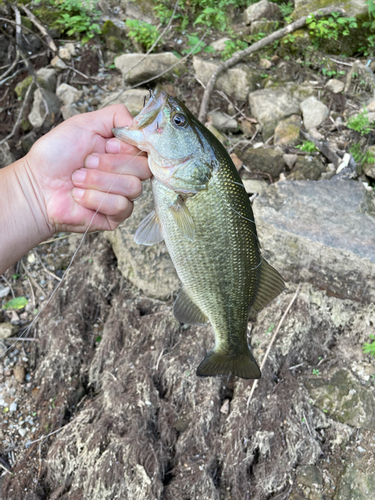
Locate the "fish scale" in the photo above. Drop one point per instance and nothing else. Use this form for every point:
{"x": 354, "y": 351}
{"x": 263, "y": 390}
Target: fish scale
{"x": 203, "y": 213}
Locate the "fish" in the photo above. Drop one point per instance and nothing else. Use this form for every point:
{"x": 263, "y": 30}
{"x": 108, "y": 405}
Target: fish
{"x": 204, "y": 215}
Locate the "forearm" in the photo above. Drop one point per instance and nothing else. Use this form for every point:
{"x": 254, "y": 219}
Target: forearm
{"x": 22, "y": 225}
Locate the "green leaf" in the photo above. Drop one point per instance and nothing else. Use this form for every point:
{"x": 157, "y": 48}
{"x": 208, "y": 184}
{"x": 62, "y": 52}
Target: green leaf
{"x": 17, "y": 303}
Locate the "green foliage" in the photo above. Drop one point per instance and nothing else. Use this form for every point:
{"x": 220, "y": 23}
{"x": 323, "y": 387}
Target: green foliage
{"x": 367, "y": 50}
{"x": 286, "y": 10}
{"x": 78, "y": 17}
{"x": 359, "y": 156}
{"x": 330, "y": 28}
{"x": 316, "y": 372}
{"x": 141, "y": 32}
{"x": 369, "y": 348}
{"x": 307, "y": 146}
{"x": 232, "y": 46}
{"x": 360, "y": 123}
{"x": 193, "y": 40}
{"x": 17, "y": 303}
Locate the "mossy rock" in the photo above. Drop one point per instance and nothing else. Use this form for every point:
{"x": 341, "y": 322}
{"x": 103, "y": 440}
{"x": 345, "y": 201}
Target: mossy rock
{"x": 48, "y": 16}
{"x": 21, "y": 87}
{"x": 109, "y": 30}
{"x": 352, "y": 8}
{"x": 114, "y": 44}
{"x": 27, "y": 23}
{"x": 263, "y": 26}
{"x": 295, "y": 44}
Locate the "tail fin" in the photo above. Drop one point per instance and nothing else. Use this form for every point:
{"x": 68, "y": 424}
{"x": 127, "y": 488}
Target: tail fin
{"x": 242, "y": 365}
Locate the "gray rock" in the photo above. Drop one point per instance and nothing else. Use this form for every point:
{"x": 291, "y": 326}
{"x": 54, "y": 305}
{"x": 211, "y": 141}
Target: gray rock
{"x": 352, "y": 7}
{"x": 269, "y": 106}
{"x": 37, "y": 114}
{"x": 134, "y": 71}
{"x": 307, "y": 168}
{"x": 58, "y": 64}
{"x": 322, "y": 232}
{"x": 48, "y": 77}
{"x": 360, "y": 77}
{"x": 69, "y": 110}
{"x": 149, "y": 268}
{"x": 6, "y": 156}
{"x": 254, "y": 186}
{"x": 290, "y": 160}
{"x": 13, "y": 407}
{"x": 68, "y": 94}
{"x": 237, "y": 81}
{"x": 369, "y": 168}
{"x": 219, "y": 45}
{"x": 287, "y": 131}
{"x": 269, "y": 161}
{"x": 133, "y": 99}
{"x": 314, "y": 112}
{"x": 309, "y": 475}
{"x": 141, "y": 10}
{"x": 261, "y": 10}
{"x": 357, "y": 482}
{"x": 65, "y": 54}
{"x": 335, "y": 86}
{"x": 4, "y": 291}
{"x": 7, "y": 330}
{"x": 344, "y": 399}
{"x": 223, "y": 122}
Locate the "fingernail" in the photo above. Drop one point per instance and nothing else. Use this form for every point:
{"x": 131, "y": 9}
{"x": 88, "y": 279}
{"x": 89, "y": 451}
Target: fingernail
{"x": 79, "y": 175}
{"x": 113, "y": 146}
{"x": 77, "y": 192}
{"x": 92, "y": 161}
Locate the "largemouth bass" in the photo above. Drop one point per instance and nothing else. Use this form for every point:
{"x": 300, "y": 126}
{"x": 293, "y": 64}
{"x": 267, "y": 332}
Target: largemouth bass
{"x": 203, "y": 213}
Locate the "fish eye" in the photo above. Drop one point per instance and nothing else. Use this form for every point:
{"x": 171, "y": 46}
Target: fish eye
{"x": 179, "y": 119}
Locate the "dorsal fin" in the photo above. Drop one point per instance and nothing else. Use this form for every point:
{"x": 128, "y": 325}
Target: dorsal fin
{"x": 186, "y": 311}
{"x": 270, "y": 285}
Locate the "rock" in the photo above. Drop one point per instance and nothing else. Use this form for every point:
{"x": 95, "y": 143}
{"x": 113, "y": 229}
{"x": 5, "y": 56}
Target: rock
{"x": 236, "y": 82}
{"x": 217, "y": 134}
{"x": 68, "y": 94}
{"x": 265, "y": 64}
{"x": 48, "y": 78}
{"x": 225, "y": 407}
{"x": 269, "y": 106}
{"x": 237, "y": 162}
{"x": 335, "y": 86}
{"x": 4, "y": 292}
{"x": 247, "y": 128}
{"x": 219, "y": 45}
{"x": 261, "y": 10}
{"x": 307, "y": 168}
{"x": 269, "y": 161}
{"x": 254, "y": 186}
{"x": 7, "y": 330}
{"x": 13, "y": 407}
{"x": 69, "y": 110}
{"x": 344, "y": 399}
{"x": 28, "y": 140}
{"x": 371, "y": 107}
{"x": 65, "y": 54}
{"x": 314, "y": 112}
{"x": 352, "y": 8}
{"x": 141, "y": 10}
{"x": 360, "y": 76}
{"x": 70, "y": 47}
{"x": 19, "y": 373}
{"x": 37, "y": 116}
{"x": 369, "y": 168}
{"x": 287, "y": 131}
{"x": 58, "y": 64}
{"x": 133, "y": 71}
{"x": 290, "y": 160}
{"x": 149, "y": 268}
{"x": 357, "y": 482}
{"x": 263, "y": 26}
{"x": 114, "y": 44}
{"x": 309, "y": 475}
{"x": 309, "y": 231}
{"x": 6, "y": 156}
{"x": 133, "y": 99}
{"x": 223, "y": 122}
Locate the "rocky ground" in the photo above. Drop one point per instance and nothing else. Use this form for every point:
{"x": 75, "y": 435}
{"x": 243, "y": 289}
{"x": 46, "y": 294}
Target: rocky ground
{"x": 100, "y": 400}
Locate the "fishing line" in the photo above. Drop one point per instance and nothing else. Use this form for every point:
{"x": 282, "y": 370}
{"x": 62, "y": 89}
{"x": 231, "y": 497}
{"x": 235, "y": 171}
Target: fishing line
{"x": 72, "y": 259}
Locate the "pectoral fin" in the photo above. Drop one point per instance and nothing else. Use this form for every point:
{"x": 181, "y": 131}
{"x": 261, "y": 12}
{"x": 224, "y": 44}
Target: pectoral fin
{"x": 183, "y": 219}
{"x": 186, "y": 311}
{"x": 149, "y": 230}
{"x": 270, "y": 285}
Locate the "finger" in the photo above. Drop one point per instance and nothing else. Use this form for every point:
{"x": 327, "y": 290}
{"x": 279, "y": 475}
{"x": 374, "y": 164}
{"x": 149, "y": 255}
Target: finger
{"x": 104, "y": 120}
{"x": 115, "y": 146}
{"x": 124, "y": 185}
{"x": 124, "y": 164}
{"x": 117, "y": 207}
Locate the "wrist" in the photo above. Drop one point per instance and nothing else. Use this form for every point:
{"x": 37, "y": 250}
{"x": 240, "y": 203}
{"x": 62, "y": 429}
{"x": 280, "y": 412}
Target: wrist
{"x": 23, "y": 221}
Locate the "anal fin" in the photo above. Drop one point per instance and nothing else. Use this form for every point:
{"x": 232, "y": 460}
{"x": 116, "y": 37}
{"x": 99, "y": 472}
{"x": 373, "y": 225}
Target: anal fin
{"x": 183, "y": 218}
{"x": 270, "y": 286}
{"x": 149, "y": 230}
{"x": 186, "y": 311}
{"x": 242, "y": 365}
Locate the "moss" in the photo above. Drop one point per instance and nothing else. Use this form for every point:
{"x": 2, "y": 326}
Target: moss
{"x": 313, "y": 5}
{"x": 21, "y": 87}
{"x": 114, "y": 44}
{"x": 47, "y": 16}
{"x": 26, "y": 22}
{"x": 109, "y": 29}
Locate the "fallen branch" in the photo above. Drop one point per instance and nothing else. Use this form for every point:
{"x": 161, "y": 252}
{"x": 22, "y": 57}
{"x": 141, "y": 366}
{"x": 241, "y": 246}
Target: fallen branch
{"x": 40, "y": 27}
{"x": 238, "y": 56}
{"x": 272, "y": 341}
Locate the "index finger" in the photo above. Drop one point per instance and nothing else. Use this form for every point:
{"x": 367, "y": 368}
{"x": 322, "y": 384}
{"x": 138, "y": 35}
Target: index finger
{"x": 104, "y": 120}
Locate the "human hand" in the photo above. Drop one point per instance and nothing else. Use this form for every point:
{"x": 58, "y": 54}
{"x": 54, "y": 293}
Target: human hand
{"x": 73, "y": 166}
